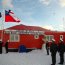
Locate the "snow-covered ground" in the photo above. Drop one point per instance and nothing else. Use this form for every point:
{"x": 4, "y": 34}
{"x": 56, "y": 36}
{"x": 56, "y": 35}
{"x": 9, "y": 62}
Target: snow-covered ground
{"x": 35, "y": 57}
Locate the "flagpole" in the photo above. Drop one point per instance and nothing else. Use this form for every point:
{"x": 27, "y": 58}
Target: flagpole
{"x": 3, "y": 25}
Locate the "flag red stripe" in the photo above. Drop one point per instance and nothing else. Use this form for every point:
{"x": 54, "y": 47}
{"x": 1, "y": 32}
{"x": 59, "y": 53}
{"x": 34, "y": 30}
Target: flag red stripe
{"x": 10, "y": 18}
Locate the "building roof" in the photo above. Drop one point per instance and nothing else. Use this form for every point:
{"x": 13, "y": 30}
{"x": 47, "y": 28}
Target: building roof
{"x": 25, "y": 27}
{"x": 33, "y": 28}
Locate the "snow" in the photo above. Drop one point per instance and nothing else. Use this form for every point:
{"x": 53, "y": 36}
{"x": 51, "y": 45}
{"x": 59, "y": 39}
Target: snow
{"x": 35, "y": 57}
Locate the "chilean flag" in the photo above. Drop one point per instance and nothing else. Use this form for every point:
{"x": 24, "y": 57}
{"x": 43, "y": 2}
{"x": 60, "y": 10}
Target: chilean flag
{"x": 9, "y": 17}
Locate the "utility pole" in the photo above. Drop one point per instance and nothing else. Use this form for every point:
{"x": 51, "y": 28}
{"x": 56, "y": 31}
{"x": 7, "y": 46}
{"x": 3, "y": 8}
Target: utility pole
{"x": 63, "y": 23}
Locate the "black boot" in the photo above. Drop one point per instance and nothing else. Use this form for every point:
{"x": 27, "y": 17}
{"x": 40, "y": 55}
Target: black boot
{"x": 60, "y": 63}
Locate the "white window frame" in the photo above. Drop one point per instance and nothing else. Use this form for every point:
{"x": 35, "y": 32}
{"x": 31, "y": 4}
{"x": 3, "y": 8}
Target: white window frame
{"x": 36, "y": 36}
{"x": 61, "y": 36}
{"x": 49, "y": 37}
{"x": 14, "y": 40}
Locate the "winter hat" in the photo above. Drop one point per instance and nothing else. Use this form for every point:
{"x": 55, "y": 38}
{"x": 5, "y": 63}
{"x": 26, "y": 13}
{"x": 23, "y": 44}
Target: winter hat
{"x": 53, "y": 39}
{"x": 61, "y": 39}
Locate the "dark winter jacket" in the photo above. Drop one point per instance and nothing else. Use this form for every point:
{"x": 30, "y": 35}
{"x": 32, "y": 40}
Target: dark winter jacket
{"x": 61, "y": 47}
{"x": 53, "y": 48}
{"x": 47, "y": 45}
{"x": 1, "y": 44}
{"x": 6, "y": 45}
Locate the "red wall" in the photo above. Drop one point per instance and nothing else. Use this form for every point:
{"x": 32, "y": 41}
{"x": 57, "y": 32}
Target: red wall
{"x": 56, "y": 35}
{"x": 64, "y": 37}
{"x": 28, "y": 40}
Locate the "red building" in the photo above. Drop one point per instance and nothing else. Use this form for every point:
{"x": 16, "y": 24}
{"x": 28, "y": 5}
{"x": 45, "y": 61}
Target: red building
{"x": 30, "y": 36}
{"x": 57, "y": 35}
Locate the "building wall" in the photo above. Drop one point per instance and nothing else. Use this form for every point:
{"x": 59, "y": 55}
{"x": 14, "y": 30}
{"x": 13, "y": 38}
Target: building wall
{"x": 25, "y": 39}
{"x": 29, "y": 40}
{"x": 56, "y": 35}
{"x": 64, "y": 37}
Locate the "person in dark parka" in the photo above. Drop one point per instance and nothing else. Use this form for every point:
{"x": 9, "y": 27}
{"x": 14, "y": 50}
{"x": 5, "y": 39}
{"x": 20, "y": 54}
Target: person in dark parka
{"x": 53, "y": 50}
{"x": 1, "y": 46}
{"x": 61, "y": 51}
{"x": 6, "y": 46}
{"x": 47, "y": 47}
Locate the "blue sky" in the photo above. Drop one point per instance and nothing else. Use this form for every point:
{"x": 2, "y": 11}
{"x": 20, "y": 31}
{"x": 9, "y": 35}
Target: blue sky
{"x": 49, "y": 14}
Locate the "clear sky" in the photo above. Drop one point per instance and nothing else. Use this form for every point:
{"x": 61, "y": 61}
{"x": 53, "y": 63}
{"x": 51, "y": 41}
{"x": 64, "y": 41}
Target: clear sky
{"x": 44, "y": 13}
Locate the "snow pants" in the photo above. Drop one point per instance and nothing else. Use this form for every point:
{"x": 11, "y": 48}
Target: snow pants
{"x": 53, "y": 56}
{"x": 61, "y": 57}
{"x": 47, "y": 51}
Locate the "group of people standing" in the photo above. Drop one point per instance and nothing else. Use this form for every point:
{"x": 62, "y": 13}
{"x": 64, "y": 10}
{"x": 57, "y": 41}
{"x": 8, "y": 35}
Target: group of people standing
{"x": 54, "y": 48}
{"x": 5, "y": 46}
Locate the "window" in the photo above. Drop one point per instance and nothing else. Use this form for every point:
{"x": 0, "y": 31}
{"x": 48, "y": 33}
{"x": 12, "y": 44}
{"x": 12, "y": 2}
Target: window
{"x": 61, "y": 36}
{"x": 36, "y": 36}
{"x": 49, "y": 37}
{"x": 14, "y": 37}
